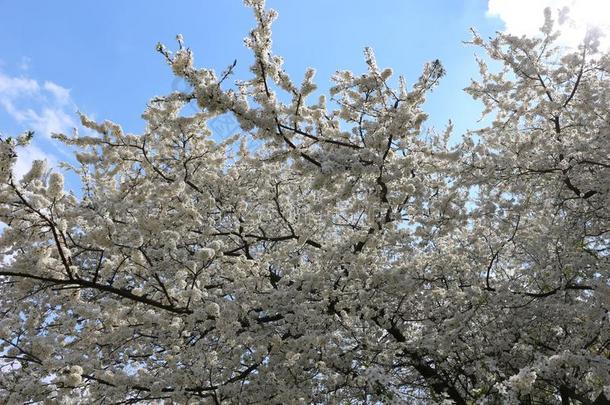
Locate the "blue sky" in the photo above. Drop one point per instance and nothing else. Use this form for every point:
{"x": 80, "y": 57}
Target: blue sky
{"x": 99, "y": 57}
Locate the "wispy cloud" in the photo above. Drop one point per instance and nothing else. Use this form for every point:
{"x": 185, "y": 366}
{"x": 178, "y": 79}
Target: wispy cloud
{"x": 525, "y": 18}
{"x": 27, "y": 155}
{"x": 43, "y": 107}
{"x": 61, "y": 94}
{"x": 25, "y": 63}
{"x": 13, "y": 87}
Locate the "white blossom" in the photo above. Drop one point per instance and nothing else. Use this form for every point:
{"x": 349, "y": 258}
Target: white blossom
{"x": 331, "y": 251}
{"x": 56, "y": 185}
{"x": 212, "y": 309}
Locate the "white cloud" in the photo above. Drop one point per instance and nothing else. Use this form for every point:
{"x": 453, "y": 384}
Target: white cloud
{"x": 25, "y": 157}
{"x": 49, "y": 121}
{"x": 11, "y": 87}
{"x": 526, "y": 17}
{"x": 61, "y": 94}
{"x": 45, "y": 109}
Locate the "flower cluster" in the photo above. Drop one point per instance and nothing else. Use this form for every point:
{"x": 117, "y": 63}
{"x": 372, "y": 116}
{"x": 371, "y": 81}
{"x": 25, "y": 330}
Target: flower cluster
{"x": 330, "y": 251}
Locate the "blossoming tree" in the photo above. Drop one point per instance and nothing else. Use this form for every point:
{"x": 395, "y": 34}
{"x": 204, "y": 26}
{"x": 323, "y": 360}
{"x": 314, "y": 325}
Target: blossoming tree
{"x": 329, "y": 251}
